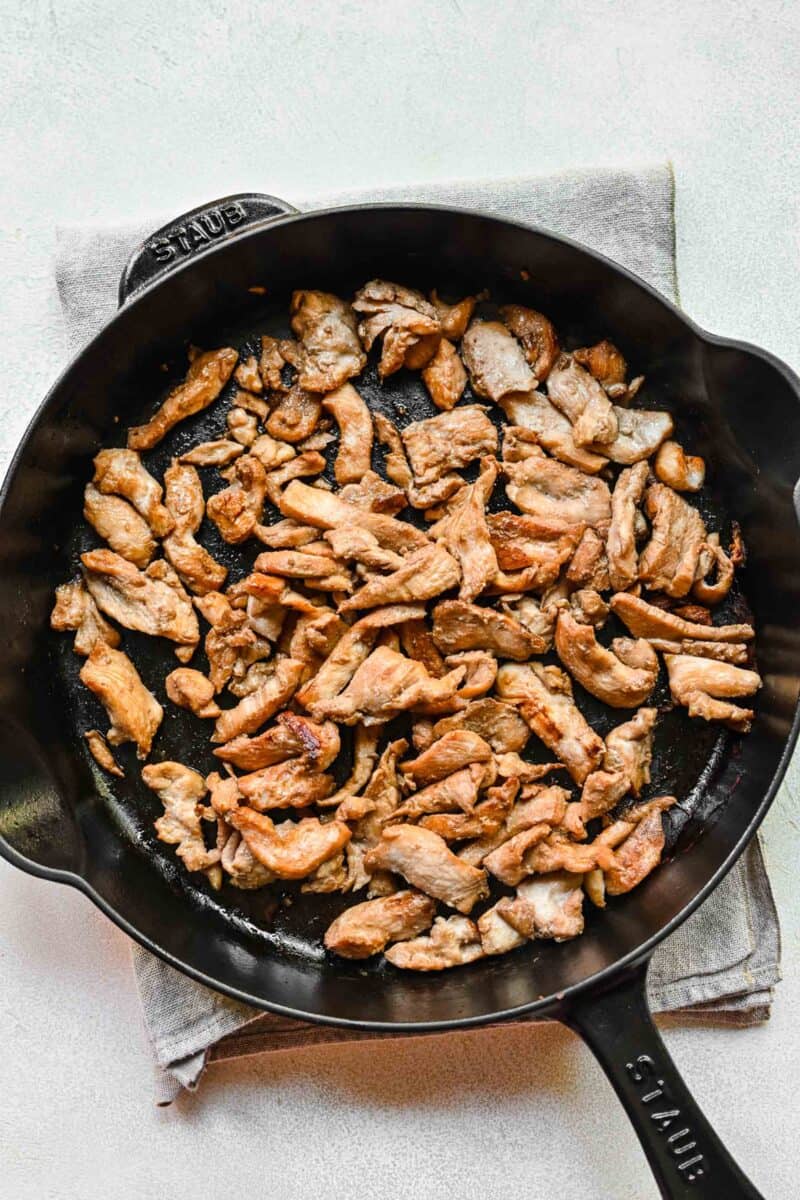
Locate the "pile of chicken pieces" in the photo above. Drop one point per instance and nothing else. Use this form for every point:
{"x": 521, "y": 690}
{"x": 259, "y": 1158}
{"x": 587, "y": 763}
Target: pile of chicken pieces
{"x": 353, "y": 615}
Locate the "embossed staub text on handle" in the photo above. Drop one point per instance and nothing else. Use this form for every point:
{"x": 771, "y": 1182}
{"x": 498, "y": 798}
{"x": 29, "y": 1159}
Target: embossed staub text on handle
{"x": 197, "y": 232}
{"x": 667, "y": 1118}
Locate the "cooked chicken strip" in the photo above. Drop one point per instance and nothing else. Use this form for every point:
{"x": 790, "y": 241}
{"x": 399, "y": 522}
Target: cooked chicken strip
{"x": 326, "y": 327}
{"x": 242, "y": 426}
{"x": 589, "y": 565}
{"x": 100, "y": 752}
{"x": 271, "y": 452}
{"x": 629, "y": 749}
{"x": 292, "y": 736}
{"x": 454, "y": 318}
{"x": 75, "y": 609}
{"x": 640, "y": 433}
{"x": 121, "y": 473}
{"x": 180, "y": 790}
{"x": 295, "y": 416}
{"x": 536, "y": 334}
{"x": 508, "y": 862}
{"x": 373, "y": 494}
{"x": 271, "y": 363}
{"x": 447, "y": 442}
{"x": 362, "y": 547}
{"x": 292, "y": 849}
{"x": 424, "y": 860}
{"x": 313, "y": 506}
{"x": 680, "y": 471}
{"x": 481, "y": 673}
{"x": 185, "y": 503}
{"x": 669, "y": 560}
{"x": 137, "y": 599}
{"x": 254, "y": 710}
{"x": 466, "y": 537}
{"x": 495, "y": 361}
{"x": 119, "y": 524}
{"x": 237, "y": 862}
{"x": 237, "y": 509}
{"x": 544, "y": 696}
{"x": 713, "y": 562}
{"x": 133, "y": 711}
{"x": 212, "y": 454}
{"x": 425, "y": 573}
{"x": 540, "y": 806}
{"x": 622, "y": 676}
{"x": 384, "y": 685}
{"x": 548, "y": 907}
{"x": 582, "y": 400}
{"x": 453, "y": 750}
{"x": 485, "y": 820}
{"x": 532, "y": 414}
{"x": 452, "y": 942}
{"x": 351, "y": 414}
{"x": 510, "y": 766}
{"x": 497, "y": 936}
{"x": 701, "y": 685}
{"x": 552, "y": 492}
{"x": 638, "y": 855}
{"x": 604, "y": 362}
{"x": 310, "y": 462}
{"x": 365, "y": 754}
{"x": 732, "y": 652}
{"x": 522, "y": 543}
{"x": 456, "y": 791}
{"x": 193, "y": 690}
{"x": 286, "y": 535}
{"x": 403, "y": 317}
{"x": 365, "y": 929}
{"x": 623, "y": 566}
{"x": 297, "y": 564}
{"x": 460, "y": 626}
{"x": 207, "y": 375}
{"x": 647, "y": 621}
{"x": 499, "y": 724}
{"x": 445, "y": 377}
{"x": 293, "y": 783}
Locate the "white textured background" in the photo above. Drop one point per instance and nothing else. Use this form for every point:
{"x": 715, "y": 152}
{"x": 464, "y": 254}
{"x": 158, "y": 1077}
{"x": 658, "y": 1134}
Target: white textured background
{"x": 111, "y": 111}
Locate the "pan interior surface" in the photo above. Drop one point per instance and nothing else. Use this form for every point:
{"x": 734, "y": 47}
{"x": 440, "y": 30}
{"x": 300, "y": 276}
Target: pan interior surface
{"x": 60, "y": 812}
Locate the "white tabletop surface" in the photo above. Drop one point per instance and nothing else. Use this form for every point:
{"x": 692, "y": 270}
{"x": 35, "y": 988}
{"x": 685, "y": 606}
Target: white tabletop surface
{"x": 117, "y": 111}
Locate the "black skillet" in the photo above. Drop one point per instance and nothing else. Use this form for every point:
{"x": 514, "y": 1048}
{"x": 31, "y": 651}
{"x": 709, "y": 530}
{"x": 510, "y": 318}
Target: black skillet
{"x": 202, "y": 279}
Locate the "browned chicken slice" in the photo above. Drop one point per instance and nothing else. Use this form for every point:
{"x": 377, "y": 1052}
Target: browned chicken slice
{"x": 535, "y": 421}
{"x": 588, "y": 607}
{"x": 237, "y": 862}
{"x": 271, "y": 363}
{"x": 100, "y": 752}
{"x": 681, "y": 471}
{"x": 286, "y": 535}
{"x": 485, "y": 820}
{"x": 623, "y": 566}
{"x": 456, "y": 791}
{"x": 271, "y": 452}
{"x": 75, "y": 609}
{"x": 386, "y": 684}
{"x": 300, "y": 564}
{"x": 330, "y": 349}
{"x": 365, "y": 754}
{"x": 366, "y": 929}
{"x": 295, "y": 416}
{"x": 548, "y": 907}
{"x": 538, "y": 619}
{"x": 703, "y": 687}
{"x": 242, "y": 426}
{"x": 425, "y": 861}
{"x": 495, "y": 360}
{"x": 180, "y": 790}
{"x": 544, "y": 697}
{"x": 313, "y": 506}
{"x": 403, "y": 317}
{"x": 395, "y": 463}
{"x": 508, "y": 862}
{"x": 374, "y": 494}
{"x": 461, "y": 626}
{"x": 498, "y": 723}
{"x": 193, "y": 690}
{"x": 292, "y": 849}
{"x": 256, "y": 405}
{"x": 133, "y": 711}
{"x": 640, "y": 853}
{"x": 604, "y": 362}
{"x": 583, "y": 401}
{"x": 207, "y": 375}
{"x": 669, "y": 560}
{"x": 247, "y": 375}
{"x": 452, "y": 942}
{"x": 351, "y": 414}
{"x": 553, "y": 492}
{"x": 360, "y": 546}
{"x": 447, "y": 442}
{"x": 456, "y": 317}
{"x": 137, "y": 599}
{"x": 237, "y": 509}
{"x": 122, "y": 473}
{"x": 292, "y": 736}
{"x": 231, "y": 644}
{"x": 536, "y": 335}
{"x": 589, "y": 565}
{"x": 525, "y": 543}
{"x": 558, "y": 852}
{"x": 218, "y": 453}
{"x": 466, "y": 536}
{"x": 715, "y": 571}
{"x": 293, "y": 783}
{"x": 445, "y": 377}
{"x": 453, "y": 750}
{"x": 368, "y": 814}
{"x": 647, "y": 621}
{"x": 425, "y": 573}
{"x": 118, "y": 523}
{"x": 732, "y": 652}
{"x": 252, "y": 712}
{"x": 497, "y": 936}
{"x": 640, "y": 432}
{"x": 539, "y": 805}
{"x": 510, "y": 766}
{"x": 622, "y": 676}
{"x": 186, "y": 505}
{"x": 629, "y": 749}
{"x": 481, "y": 673}
{"x": 310, "y": 462}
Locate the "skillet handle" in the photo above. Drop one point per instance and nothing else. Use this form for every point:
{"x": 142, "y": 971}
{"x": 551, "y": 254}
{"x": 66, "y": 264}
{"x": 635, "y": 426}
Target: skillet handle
{"x": 687, "y": 1158}
{"x": 195, "y": 232}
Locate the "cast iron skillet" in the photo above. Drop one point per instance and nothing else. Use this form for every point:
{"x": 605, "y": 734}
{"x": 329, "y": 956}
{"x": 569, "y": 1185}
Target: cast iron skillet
{"x": 62, "y": 820}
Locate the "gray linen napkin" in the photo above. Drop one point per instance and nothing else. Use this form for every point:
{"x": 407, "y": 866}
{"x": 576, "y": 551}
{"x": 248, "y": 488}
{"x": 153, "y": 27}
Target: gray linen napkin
{"x": 722, "y": 964}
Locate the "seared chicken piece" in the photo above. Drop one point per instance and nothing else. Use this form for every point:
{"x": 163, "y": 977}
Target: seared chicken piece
{"x": 499, "y": 724}
{"x": 452, "y": 942}
{"x": 254, "y": 710}
{"x": 362, "y": 547}
{"x": 302, "y": 564}
{"x": 639, "y": 854}
{"x": 495, "y": 360}
{"x": 295, "y": 416}
{"x": 365, "y": 754}
{"x": 445, "y": 377}
{"x": 456, "y": 791}
{"x": 426, "y": 862}
{"x": 395, "y": 463}
{"x": 75, "y": 609}
{"x": 292, "y": 736}
{"x": 271, "y": 363}
{"x": 538, "y": 547}
{"x": 536, "y": 421}
{"x": 510, "y": 766}
{"x": 732, "y": 652}
{"x": 212, "y": 454}
{"x": 386, "y": 684}
{"x": 623, "y": 566}
{"x": 255, "y": 406}
{"x": 485, "y": 820}
{"x": 681, "y": 471}
{"x": 313, "y": 506}
{"x": 453, "y": 750}
{"x": 582, "y": 400}
{"x": 133, "y": 711}
{"x": 454, "y": 318}
{"x": 703, "y": 686}
{"x": 231, "y": 644}
{"x": 286, "y": 535}
{"x": 548, "y": 907}
{"x": 292, "y": 849}
{"x": 184, "y": 499}
{"x": 139, "y": 599}
{"x": 604, "y": 362}
{"x": 237, "y": 861}
{"x": 647, "y": 621}
{"x": 271, "y": 452}
{"x": 538, "y": 620}
{"x": 622, "y": 676}
{"x": 207, "y": 375}
{"x": 403, "y": 317}
{"x": 417, "y": 642}
{"x": 351, "y": 414}
{"x": 180, "y": 790}
{"x": 481, "y": 672}
{"x": 508, "y": 862}
{"x": 589, "y": 566}
{"x": 447, "y": 442}
{"x": 669, "y": 560}
{"x": 242, "y": 426}
{"x": 293, "y": 783}
{"x": 121, "y": 473}
{"x": 330, "y": 350}
{"x": 119, "y": 524}
{"x": 460, "y": 626}
{"x": 559, "y": 853}
{"x": 310, "y": 462}
{"x": 588, "y": 607}
{"x": 193, "y": 690}
{"x": 497, "y": 936}
{"x": 540, "y": 805}
{"x": 247, "y": 375}
{"x": 629, "y": 749}
{"x": 467, "y": 538}
{"x": 639, "y": 434}
{"x": 374, "y": 494}
{"x": 100, "y": 752}
{"x": 365, "y": 929}
{"x": 237, "y": 509}
{"x": 544, "y": 697}
{"x": 552, "y": 492}
{"x": 425, "y": 573}
{"x": 537, "y": 336}
{"x": 713, "y": 561}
